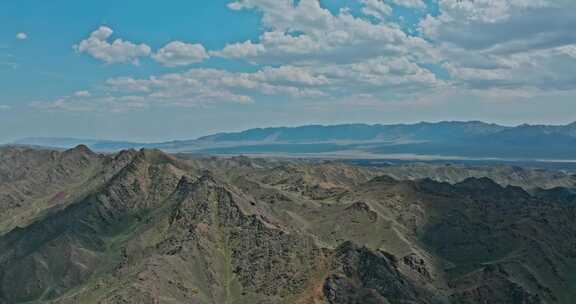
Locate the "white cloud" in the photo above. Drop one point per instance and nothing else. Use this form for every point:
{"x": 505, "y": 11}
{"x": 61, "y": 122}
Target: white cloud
{"x": 548, "y": 69}
{"x": 569, "y": 50}
{"x": 82, "y": 94}
{"x": 504, "y": 26}
{"x": 290, "y": 75}
{"x": 119, "y": 51}
{"x": 384, "y": 79}
{"x": 417, "y": 4}
{"x": 484, "y": 48}
{"x": 385, "y": 73}
{"x": 178, "y": 53}
{"x": 304, "y": 32}
{"x": 245, "y": 49}
{"x": 376, "y": 8}
{"x": 198, "y": 86}
{"x": 236, "y": 6}
{"x": 5, "y": 107}
{"x": 21, "y": 36}
{"x": 63, "y": 104}
{"x": 506, "y": 45}
{"x": 93, "y": 104}
{"x": 306, "y": 52}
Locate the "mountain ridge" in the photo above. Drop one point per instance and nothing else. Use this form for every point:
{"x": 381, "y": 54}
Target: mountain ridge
{"x": 472, "y": 139}
{"x": 150, "y": 227}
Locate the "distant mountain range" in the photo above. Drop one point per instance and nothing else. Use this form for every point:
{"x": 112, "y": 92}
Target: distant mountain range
{"x": 472, "y": 139}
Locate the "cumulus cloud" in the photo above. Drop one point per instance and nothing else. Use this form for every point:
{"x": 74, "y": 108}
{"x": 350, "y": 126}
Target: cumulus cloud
{"x": 21, "y": 36}
{"x": 488, "y": 49}
{"x": 302, "y": 32}
{"x": 505, "y": 44}
{"x": 384, "y": 73}
{"x": 290, "y": 75}
{"x": 503, "y": 26}
{"x": 118, "y": 51}
{"x": 199, "y": 86}
{"x": 418, "y": 4}
{"x": 381, "y": 78}
{"x": 246, "y": 49}
{"x": 353, "y": 54}
{"x": 540, "y": 69}
{"x": 306, "y": 52}
{"x": 376, "y": 8}
{"x": 177, "y": 53}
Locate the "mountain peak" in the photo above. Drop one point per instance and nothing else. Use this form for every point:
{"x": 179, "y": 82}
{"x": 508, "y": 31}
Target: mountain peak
{"x": 80, "y": 149}
{"x": 155, "y": 156}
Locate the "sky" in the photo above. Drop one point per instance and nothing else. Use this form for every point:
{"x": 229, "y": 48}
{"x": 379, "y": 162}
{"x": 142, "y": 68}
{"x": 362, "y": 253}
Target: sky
{"x": 162, "y": 70}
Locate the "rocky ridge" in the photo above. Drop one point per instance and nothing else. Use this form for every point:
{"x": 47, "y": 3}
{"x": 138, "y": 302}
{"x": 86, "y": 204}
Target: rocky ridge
{"x": 147, "y": 227}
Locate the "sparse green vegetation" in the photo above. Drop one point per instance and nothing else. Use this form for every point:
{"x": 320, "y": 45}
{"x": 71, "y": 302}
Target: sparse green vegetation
{"x": 146, "y": 227}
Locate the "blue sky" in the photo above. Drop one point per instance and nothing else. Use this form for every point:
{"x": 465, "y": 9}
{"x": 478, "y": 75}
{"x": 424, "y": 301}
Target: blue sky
{"x": 148, "y": 70}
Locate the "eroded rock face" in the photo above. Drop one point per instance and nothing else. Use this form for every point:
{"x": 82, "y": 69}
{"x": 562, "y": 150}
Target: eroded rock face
{"x": 492, "y": 284}
{"x": 147, "y": 227}
{"x": 417, "y": 264}
{"x": 360, "y": 275}
{"x": 33, "y": 181}
{"x": 261, "y": 259}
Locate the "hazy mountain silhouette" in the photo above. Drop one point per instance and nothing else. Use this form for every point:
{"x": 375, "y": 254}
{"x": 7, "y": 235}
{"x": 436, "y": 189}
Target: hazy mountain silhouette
{"x": 462, "y": 139}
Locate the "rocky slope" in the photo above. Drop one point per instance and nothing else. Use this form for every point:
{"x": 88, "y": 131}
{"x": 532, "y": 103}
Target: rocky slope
{"x": 147, "y": 227}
